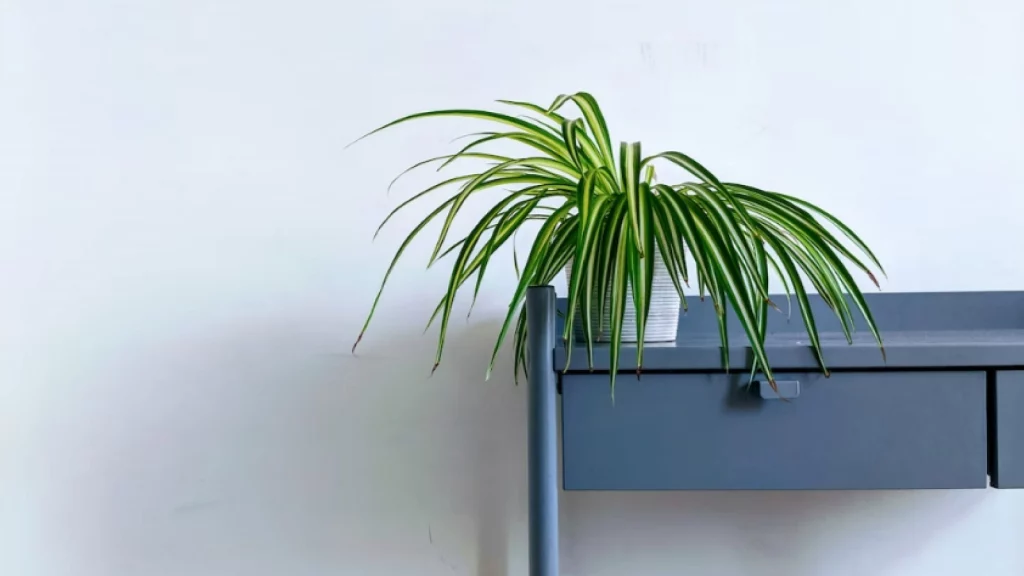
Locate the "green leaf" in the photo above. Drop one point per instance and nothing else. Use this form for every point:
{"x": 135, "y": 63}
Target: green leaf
{"x": 761, "y": 310}
{"x": 721, "y": 213}
{"x": 456, "y": 275}
{"x": 725, "y": 264}
{"x": 711, "y": 181}
{"x": 533, "y": 263}
{"x": 642, "y": 270}
{"x": 398, "y": 254}
{"x": 445, "y": 157}
{"x": 683, "y": 220}
{"x": 555, "y": 118}
{"x": 785, "y": 283}
{"x": 620, "y": 275}
{"x": 590, "y": 150}
{"x": 821, "y": 277}
{"x": 591, "y": 273}
{"x": 556, "y": 160}
{"x": 519, "y": 123}
{"x": 669, "y": 244}
{"x": 519, "y": 353}
{"x": 481, "y": 182}
{"x": 801, "y": 296}
{"x": 595, "y": 120}
{"x": 421, "y": 194}
{"x": 504, "y": 228}
{"x": 842, "y": 228}
{"x": 593, "y": 209}
{"x": 606, "y": 261}
{"x": 512, "y": 218}
{"x": 569, "y": 130}
{"x": 775, "y": 207}
{"x": 629, "y": 157}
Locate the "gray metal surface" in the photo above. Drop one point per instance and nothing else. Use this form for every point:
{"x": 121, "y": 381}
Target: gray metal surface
{"x": 784, "y": 389}
{"x": 1007, "y": 424}
{"x": 935, "y": 330}
{"x": 543, "y": 432}
{"x": 880, "y": 430}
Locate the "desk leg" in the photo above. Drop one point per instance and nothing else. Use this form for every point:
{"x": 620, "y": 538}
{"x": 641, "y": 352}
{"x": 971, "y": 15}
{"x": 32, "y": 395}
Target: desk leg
{"x": 543, "y": 462}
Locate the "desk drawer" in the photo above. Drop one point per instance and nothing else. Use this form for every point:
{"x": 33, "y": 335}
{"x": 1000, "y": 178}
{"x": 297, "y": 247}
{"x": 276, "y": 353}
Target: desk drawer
{"x": 855, "y": 430}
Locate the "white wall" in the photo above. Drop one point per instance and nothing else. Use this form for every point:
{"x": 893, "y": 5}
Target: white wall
{"x": 185, "y": 258}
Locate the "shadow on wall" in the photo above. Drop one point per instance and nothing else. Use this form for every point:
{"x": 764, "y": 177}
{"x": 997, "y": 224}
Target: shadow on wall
{"x": 464, "y": 448}
{"x": 265, "y": 449}
{"x": 799, "y": 533}
{"x": 286, "y": 459}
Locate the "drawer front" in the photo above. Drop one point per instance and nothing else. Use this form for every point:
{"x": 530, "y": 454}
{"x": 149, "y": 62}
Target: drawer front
{"x": 1007, "y": 428}
{"x": 871, "y": 430}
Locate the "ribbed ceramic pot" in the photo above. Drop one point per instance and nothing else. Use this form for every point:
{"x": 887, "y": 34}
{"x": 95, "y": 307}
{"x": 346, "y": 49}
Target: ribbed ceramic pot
{"x": 662, "y": 318}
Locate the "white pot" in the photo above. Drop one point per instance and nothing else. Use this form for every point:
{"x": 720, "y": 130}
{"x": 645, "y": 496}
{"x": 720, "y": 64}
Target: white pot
{"x": 662, "y": 318}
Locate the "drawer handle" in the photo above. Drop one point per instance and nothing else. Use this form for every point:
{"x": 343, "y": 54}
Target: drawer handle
{"x": 788, "y": 389}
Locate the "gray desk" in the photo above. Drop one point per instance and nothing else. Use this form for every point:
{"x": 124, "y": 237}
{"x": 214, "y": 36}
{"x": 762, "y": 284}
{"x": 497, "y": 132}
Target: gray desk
{"x": 945, "y": 409}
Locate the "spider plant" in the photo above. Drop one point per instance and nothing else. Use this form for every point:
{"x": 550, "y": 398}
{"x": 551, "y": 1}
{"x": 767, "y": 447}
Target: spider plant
{"x": 605, "y": 210}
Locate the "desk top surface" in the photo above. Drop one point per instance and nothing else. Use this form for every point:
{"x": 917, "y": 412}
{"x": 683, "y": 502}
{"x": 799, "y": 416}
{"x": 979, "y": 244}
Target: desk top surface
{"x": 919, "y": 330}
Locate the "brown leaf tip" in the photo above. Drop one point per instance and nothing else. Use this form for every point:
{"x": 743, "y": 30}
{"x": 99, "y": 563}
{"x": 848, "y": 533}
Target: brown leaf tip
{"x": 357, "y": 343}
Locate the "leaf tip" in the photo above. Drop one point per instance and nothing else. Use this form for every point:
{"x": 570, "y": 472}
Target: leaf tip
{"x": 434, "y": 369}
{"x": 358, "y": 339}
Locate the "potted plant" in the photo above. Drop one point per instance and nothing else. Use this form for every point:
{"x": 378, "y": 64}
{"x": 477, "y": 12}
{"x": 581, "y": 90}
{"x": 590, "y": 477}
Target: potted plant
{"x": 620, "y": 232}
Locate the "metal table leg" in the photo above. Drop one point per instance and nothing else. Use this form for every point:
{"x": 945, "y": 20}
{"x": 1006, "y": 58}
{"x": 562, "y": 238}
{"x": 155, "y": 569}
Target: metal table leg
{"x": 543, "y": 450}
